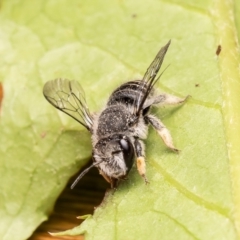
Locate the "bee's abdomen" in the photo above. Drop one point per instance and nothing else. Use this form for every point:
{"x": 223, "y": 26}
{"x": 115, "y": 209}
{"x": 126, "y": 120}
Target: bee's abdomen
{"x": 128, "y": 93}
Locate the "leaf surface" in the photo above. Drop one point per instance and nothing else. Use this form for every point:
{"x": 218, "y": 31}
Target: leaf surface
{"x": 193, "y": 195}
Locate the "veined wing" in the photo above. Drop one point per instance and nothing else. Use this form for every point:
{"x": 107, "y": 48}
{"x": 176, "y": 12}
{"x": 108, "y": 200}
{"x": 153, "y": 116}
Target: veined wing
{"x": 149, "y": 79}
{"x": 69, "y": 97}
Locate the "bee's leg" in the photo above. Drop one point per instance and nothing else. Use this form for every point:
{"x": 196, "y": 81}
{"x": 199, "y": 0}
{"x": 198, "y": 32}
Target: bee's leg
{"x": 167, "y": 99}
{"x": 141, "y": 165}
{"x": 162, "y": 131}
{"x": 113, "y": 182}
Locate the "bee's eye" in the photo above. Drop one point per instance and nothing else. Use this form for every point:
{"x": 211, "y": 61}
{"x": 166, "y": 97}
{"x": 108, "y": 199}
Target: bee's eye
{"x": 125, "y": 145}
{"x": 128, "y": 152}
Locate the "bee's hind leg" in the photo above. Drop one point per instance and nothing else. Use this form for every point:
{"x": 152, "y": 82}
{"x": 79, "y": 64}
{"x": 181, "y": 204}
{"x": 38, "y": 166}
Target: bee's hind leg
{"x": 167, "y": 99}
{"x": 162, "y": 100}
{"x": 162, "y": 131}
{"x": 141, "y": 164}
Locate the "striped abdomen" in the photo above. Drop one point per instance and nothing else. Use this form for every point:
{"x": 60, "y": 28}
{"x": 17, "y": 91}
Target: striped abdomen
{"x": 128, "y": 93}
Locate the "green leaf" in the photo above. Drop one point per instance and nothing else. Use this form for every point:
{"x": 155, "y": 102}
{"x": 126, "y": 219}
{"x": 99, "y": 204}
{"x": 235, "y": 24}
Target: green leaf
{"x": 193, "y": 195}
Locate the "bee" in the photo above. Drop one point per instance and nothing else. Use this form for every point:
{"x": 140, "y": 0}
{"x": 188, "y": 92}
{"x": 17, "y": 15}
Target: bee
{"x": 117, "y": 132}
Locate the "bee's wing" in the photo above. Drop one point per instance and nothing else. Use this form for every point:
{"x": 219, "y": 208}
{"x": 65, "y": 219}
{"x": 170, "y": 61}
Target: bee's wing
{"x": 68, "y": 96}
{"x": 150, "y": 79}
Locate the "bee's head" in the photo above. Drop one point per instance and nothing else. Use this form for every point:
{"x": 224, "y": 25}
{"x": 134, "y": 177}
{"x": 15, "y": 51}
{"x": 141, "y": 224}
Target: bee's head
{"x": 116, "y": 154}
{"x": 113, "y": 156}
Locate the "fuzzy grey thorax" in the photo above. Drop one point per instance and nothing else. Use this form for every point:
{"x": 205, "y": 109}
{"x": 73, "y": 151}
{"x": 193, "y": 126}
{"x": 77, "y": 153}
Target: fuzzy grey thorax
{"x": 113, "y": 119}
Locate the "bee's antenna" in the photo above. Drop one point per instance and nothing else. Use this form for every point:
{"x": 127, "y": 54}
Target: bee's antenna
{"x": 82, "y": 174}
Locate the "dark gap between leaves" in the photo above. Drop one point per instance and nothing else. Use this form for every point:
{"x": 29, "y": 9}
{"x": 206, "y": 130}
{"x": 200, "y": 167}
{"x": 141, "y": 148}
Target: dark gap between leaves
{"x": 82, "y": 200}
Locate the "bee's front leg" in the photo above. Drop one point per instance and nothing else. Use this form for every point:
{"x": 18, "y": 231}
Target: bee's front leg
{"x": 113, "y": 181}
{"x": 141, "y": 165}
